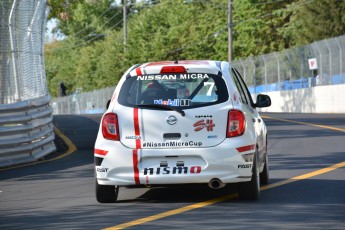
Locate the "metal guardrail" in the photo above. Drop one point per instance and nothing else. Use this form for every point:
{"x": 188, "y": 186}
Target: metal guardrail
{"x": 26, "y": 131}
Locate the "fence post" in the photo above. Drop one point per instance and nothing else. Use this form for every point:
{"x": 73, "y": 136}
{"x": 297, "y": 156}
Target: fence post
{"x": 278, "y": 66}
{"x": 330, "y": 60}
{"x": 263, "y": 57}
{"x": 320, "y": 64}
{"x": 244, "y": 70}
{"x": 341, "y": 60}
{"x": 290, "y": 66}
{"x": 12, "y": 42}
{"x": 302, "y": 60}
{"x": 254, "y": 75}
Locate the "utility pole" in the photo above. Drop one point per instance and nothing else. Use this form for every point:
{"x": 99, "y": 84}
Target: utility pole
{"x": 230, "y": 55}
{"x": 124, "y": 23}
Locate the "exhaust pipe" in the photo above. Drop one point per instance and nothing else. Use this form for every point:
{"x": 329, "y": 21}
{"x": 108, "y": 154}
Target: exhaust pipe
{"x": 215, "y": 183}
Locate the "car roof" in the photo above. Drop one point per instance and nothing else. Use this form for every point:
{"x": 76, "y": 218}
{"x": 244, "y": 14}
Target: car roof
{"x": 191, "y": 66}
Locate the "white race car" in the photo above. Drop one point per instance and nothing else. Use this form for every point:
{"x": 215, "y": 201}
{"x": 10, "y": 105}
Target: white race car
{"x": 182, "y": 122}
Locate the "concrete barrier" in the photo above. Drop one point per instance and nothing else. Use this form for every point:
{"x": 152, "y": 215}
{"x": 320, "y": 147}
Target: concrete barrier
{"x": 319, "y": 99}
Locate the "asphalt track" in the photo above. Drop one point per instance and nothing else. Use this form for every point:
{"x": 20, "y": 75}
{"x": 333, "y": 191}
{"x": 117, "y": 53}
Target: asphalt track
{"x": 306, "y": 190}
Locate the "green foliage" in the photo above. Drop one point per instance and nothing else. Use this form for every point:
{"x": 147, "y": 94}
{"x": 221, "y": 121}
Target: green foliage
{"x": 176, "y": 29}
{"x": 60, "y": 62}
{"x": 256, "y": 26}
{"x": 59, "y": 8}
{"x": 182, "y": 33}
{"x": 316, "y": 20}
{"x": 85, "y": 18}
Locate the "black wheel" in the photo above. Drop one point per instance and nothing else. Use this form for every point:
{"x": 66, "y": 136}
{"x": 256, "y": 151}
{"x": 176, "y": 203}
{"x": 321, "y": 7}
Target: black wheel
{"x": 251, "y": 190}
{"x": 106, "y": 193}
{"x": 264, "y": 175}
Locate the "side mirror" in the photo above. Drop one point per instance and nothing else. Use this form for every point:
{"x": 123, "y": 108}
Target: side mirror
{"x": 263, "y": 101}
{"x": 108, "y": 103}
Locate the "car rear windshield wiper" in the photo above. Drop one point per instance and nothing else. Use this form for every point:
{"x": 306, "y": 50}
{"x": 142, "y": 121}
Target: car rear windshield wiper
{"x": 166, "y": 107}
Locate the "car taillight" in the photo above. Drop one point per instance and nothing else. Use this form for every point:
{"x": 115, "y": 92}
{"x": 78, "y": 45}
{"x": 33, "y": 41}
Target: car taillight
{"x": 173, "y": 69}
{"x": 236, "y": 123}
{"x": 110, "y": 127}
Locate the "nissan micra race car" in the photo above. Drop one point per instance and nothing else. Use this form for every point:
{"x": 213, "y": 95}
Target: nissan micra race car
{"x": 182, "y": 122}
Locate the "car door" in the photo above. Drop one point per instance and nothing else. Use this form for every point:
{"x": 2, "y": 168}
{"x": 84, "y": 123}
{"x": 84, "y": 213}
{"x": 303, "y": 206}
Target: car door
{"x": 253, "y": 114}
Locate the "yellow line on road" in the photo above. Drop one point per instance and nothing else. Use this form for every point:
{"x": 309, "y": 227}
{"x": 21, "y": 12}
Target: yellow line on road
{"x": 304, "y": 176}
{"x": 173, "y": 212}
{"x": 319, "y": 172}
{"x": 223, "y": 198}
{"x": 71, "y": 147}
{"x": 233, "y": 196}
{"x": 306, "y": 123}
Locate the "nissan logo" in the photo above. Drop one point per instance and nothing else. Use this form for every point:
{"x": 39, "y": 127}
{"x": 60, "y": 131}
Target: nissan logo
{"x": 171, "y": 120}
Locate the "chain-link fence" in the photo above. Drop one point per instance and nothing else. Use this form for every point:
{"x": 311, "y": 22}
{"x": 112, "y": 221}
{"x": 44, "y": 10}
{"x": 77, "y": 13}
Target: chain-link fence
{"x": 285, "y": 70}
{"x": 22, "y": 28}
{"x": 290, "y": 69}
{"x": 83, "y": 103}
{"x": 26, "y": 128}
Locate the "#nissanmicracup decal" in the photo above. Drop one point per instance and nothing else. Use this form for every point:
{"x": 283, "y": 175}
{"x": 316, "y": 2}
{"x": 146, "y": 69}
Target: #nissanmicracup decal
{"x": 172, "y": 144}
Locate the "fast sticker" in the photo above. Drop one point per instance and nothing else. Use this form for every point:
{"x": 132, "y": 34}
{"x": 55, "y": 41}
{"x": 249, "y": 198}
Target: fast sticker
{"x": 247, "y": 166}
{"x": 102, "y": 169}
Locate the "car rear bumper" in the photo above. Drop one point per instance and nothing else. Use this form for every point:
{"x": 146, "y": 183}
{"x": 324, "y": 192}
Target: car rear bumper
{"x": 126, "y": 167}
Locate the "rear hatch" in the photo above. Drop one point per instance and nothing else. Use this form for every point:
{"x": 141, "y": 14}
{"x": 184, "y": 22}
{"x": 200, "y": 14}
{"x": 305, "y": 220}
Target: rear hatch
{"x": 179, "y": 108}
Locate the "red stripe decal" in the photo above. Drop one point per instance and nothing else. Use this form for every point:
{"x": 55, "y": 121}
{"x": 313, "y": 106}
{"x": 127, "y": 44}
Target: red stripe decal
{"x": 100, "y": 152}
{"x": 137, "y": 145}
{"x": 138, "y": 71}
{"x": 113, "y": 97}
{"x": 135, "y": 166}
{"x": 136, "y": 128}
{"x": 245, "y": 148}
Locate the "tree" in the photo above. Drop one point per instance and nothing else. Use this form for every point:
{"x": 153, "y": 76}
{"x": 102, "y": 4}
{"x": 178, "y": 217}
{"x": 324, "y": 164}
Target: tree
{"x": 316, "y": 20}
{"x": 60, "y": 63}
{"x": 177, "y": 29}
{"x": 256, "y": 27}
{"x": 85, "y": 19}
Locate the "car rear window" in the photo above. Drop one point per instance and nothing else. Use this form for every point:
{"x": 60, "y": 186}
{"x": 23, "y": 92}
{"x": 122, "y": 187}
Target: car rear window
{"x": 178, "y": 90}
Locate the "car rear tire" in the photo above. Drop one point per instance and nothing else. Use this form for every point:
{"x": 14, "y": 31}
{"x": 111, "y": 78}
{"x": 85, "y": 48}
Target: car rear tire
{"x": 251, "y": 190}
{"x": 264, "y": 175}
{"x": 106, "y": 193}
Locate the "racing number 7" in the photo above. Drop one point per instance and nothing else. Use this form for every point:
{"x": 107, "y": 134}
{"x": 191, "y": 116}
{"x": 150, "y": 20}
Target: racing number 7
{"x": 209, "y": 91}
